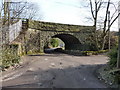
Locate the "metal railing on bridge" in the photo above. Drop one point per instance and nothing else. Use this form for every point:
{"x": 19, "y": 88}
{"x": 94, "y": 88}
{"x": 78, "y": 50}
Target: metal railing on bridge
{"x": 14, "y": 30}
{"x": 11, "y": 32}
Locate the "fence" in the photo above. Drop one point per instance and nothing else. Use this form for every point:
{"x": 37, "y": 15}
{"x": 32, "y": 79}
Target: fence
{"x": 9, "y": 34}
{"x": 14, "y": 30}
{"x": 4, "y": 35}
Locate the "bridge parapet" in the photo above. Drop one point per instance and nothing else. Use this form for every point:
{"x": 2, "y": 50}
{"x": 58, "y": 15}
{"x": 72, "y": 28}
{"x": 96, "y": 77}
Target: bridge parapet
{"x": 39, "y": 25}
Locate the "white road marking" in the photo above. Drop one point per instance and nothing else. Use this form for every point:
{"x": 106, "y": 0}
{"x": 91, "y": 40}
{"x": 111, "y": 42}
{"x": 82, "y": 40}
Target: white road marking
{"x": 46, "y": 59}
{"x": 31, "y": 69}
{"x": 13, "y": 77}
{"x": 35, "y": 77}
{"x": 53, "y": 64}
{"x": 8, "y": 75}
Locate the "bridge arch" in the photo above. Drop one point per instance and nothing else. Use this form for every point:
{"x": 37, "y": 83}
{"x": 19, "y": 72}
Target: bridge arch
{"x": 71, "y": 42}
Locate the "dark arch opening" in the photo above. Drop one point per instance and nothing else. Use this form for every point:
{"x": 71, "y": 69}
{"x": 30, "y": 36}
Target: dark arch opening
{"x": 71, "y": 42}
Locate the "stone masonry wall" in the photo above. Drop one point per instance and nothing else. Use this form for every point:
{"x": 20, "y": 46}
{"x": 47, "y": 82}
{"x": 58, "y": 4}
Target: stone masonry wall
{"x": 37, "y": 40}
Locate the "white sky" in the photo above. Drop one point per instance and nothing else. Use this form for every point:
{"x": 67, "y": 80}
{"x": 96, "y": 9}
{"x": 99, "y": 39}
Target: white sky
{"x": 62, "y": 12}
{"x": 66, "y": 11}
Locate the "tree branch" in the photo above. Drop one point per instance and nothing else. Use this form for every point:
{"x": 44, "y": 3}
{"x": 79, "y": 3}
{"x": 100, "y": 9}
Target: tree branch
{"x": 105, "y": 21}
{"x": 99, "y": 6}
{"x": 91, "y": 7}
{"x": 115, "y": 19}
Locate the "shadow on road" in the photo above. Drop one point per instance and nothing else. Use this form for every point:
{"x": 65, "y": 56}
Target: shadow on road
{"x": 61, "y": 51}
{"x": 83, "y": 76}
{"x": 48, "y": 54}
{"x": 54, "y": 53}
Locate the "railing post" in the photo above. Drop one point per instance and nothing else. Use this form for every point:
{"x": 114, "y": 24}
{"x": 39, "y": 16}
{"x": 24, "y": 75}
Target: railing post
{"x": 24, "y": 28}
{"x": 25, "y": 24}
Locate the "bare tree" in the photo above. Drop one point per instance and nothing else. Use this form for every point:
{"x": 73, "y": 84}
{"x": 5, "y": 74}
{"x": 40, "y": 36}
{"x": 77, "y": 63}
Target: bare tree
{"x": 23, "y": 10}
{"x": 95, "y": 7}
{"x": 1, "y": 8}
{"x": 113, "y": 18}
{"x": 16, "y": 10}
{"x": 0, "y": 25}
{"x": 11, "y": 13}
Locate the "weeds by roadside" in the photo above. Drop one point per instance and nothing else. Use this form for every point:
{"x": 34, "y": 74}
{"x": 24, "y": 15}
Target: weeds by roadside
{"x": 9, "y": 56}
{"x": 110, "y": 74}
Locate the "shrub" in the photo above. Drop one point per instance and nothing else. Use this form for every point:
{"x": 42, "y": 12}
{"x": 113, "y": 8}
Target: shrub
{"x": 54, "y": 42}
{"x": 9, "y": 57}
{"x": 112, "y": 57}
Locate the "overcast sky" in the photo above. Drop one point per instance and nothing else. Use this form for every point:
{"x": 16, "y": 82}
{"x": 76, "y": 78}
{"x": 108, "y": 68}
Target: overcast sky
{"x": 66, "y": 11}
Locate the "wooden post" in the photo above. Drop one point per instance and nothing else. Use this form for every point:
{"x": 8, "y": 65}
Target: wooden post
{"x": 109, "y": 30}
{"x": 118, "y": 58}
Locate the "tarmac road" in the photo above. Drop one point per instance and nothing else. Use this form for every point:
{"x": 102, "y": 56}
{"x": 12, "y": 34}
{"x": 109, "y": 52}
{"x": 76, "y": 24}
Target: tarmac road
{"x": 58, "y": 71}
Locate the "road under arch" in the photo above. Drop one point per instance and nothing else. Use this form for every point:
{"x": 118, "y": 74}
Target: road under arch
{"x": 71, "y": 42}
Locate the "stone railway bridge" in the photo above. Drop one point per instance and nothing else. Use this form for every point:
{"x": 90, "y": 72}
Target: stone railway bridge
{"x": 35, "y": 35}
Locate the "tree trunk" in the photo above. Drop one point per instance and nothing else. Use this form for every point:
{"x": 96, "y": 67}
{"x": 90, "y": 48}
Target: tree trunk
{"x": 96, "y": 41}
{"x": 103, "y": 42}
{"x": 95, "y": 33}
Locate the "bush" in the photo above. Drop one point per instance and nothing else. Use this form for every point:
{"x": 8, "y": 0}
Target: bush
{"x": 9, "y": 57}
{"x": 54, "y": 42}
{"x": 113, "y": 57}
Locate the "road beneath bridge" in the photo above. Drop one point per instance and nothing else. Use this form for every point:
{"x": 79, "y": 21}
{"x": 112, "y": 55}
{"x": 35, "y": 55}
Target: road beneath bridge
{"x": 58, "y": 71}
